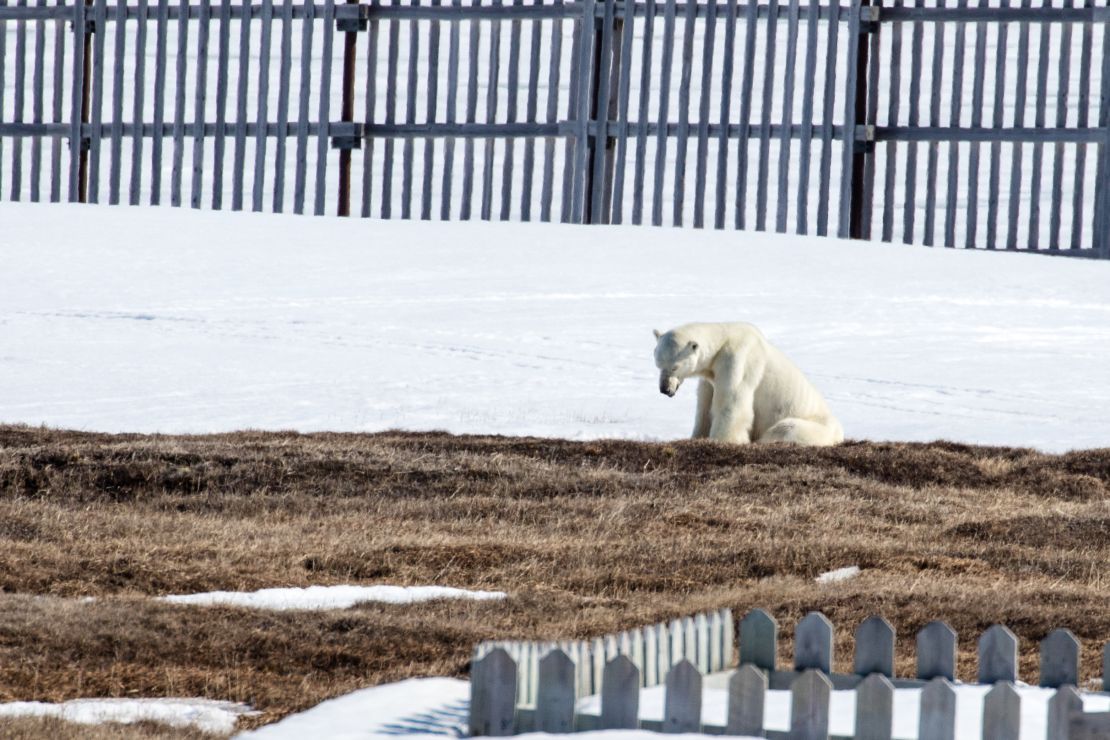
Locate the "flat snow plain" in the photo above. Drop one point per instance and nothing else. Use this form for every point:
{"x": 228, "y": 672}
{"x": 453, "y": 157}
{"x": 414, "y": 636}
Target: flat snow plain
{"x": 160, "y": 320}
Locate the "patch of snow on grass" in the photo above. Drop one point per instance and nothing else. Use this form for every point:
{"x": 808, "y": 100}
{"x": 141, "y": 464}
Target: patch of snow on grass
{"x": 204, "y": 714}
{"x": 330, "y": 597}
{"x": 840, "y": 574}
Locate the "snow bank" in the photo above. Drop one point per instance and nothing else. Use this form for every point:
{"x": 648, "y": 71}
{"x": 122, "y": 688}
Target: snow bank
{"x": 330, "y": 597}
{"x": 167, "y": 320}
{"x": 204, "y": 714}
{"x": 840, "y": 574}
{"x": 419, "y": 706}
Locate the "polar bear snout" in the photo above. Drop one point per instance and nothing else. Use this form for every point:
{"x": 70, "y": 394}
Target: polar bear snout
{"x": 668, "y": 384}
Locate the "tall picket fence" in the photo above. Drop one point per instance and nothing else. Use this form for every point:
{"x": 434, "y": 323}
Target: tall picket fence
{"x": 970, "y": 123}
{"x": 617, "y": 668}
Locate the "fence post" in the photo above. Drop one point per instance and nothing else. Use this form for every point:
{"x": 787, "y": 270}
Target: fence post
{"x": 350, "y": 28}
{"x": 854, "y": 185}
{"x": 79, "y": 111}
{"x": 584, "y": 100}
{"x": 603, "y": 103}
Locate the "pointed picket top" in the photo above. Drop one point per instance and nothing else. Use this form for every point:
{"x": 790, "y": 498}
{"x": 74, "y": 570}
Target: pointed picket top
{"x": 809, "y": 706}
{"x": 1059, "y": 659}
{"x": 936, "y": 652}
{"x": 937, "y": 716}
{"x": 682, "y": 699}
{"x": 813, "y": 643}
{"x": 747, "y": 691}
{"x": 874, "y": 708}
{"x": 1064, "y": 703}
{"x": 998, "y": 655}
{"x": 874, "y": 648}
{"x": 1002, "y": 712}
{"x": 556, "y": 694}
{"x": 620, "y": 695}
{"x": 759, "y": 639}
{"x": 493, "y": 694}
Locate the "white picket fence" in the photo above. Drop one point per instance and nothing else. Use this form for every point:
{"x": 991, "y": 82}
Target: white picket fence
{"x": 556, "y": 680}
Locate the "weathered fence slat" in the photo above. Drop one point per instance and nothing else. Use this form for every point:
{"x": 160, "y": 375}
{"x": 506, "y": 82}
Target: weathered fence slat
{"x": 805, "y": 153}
{"x": 785, "y": 142}
{"x": 874, "y": 648}
{"x": 586, "y": 39}
{"x": 997, "y": 655}
{"x": 285, "y": 73}
{"x": 620, "y": 695}
{"x": 952, "y": 201}
{"x": 511, "y": 104}
{"x": 1064, "y": 703}
{"x": 976, "y": 120}
{"x": 223, "y": 61}
{"x": 548, "y": 184}
{"x": 809, "y": 706}
{"x": 199, "y": 102}
{"x": 813, "y": 643}
{"x": 759, "y": 640}
{"x": 18, "y": 99}
{"x": 239, "y": 167}
{"x": 933, "y": 151}
{"x": 866, "y": 159}
{"x": 646, "y": 68}
{"x": 893, "y": 110}
{"x": 1082, "y": 118}
{"x": 531, "y": 115}
{"x": 1043, "y": 61}
{"x": 1016, "y": 169}
{"x": 1055, "y": 216}
{"x": 623, "y": 74}
{"x": 1002, "y": 712}
{"x": 96, "y": 116}
{"x": 322, "y": 138}
{"x": 59, "y": 75}
{"x": 3, "y": 83}
{"x": 179, "y": 109}
{"x": 161, "y": 62}
{"x": 850, "y": 121}
{"x": 824, "y": 184}
{"x": 37, "y": 104}
{"x": 1059, "y": 659}
{"x": 471, "y": 117}
{"x": 683, "y": 135}
{"x": 432, "y": 99}
{"x": 728, "y": 64}
{"x": 597, "y": 192}
{"x": 747, "y": 690}
{"x": 936, "y": 652}
{"x": 909, "y": 208}
{"x": 664, "y": 112}
{"x": 769, "y": 84}
{"x": 266, "y": 22}
{"x": 874, "y": 708}
{"x": 682, "y": 700}
{"x": 997, "y": 120}
{"x": 411, "y": 86}
{"x": 556, "y": 694}
{"x": 708, "y": 43}
{"x": 493, "y": 695}
{"x": 937, "y": 716}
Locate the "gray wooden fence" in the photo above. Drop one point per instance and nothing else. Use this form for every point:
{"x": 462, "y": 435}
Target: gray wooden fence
{"x": 498, "y": 707}
{"x": 946, "y": 122}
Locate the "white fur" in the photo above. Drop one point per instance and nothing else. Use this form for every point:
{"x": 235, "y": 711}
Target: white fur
{"x": 748, "y": 390}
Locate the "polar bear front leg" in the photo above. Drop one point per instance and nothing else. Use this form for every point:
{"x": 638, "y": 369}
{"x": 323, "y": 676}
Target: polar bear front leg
{"x": 733, "y": 416}
{"x": 704, "y": 415}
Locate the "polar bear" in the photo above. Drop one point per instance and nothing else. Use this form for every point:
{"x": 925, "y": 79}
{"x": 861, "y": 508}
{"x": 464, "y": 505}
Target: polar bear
{"x": 748, "y": 390}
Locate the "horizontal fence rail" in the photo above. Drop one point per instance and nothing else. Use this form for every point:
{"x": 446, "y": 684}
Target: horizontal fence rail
{"x": 959, "y": 123}
{"x": 614, "y": 670}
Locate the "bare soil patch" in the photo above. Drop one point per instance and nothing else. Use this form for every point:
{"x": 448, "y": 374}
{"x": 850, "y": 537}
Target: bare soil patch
{"x": 587, "y": 537}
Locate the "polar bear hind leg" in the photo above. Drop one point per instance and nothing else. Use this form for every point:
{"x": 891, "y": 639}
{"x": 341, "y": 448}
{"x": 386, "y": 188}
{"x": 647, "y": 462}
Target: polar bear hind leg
{"x": 804, "y": 432}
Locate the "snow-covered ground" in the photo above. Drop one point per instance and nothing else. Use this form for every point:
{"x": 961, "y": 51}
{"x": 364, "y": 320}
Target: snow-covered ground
{"x": 330, "y": 597}
{"x": 148, "y": 320}
{"x": 438, "y": 707}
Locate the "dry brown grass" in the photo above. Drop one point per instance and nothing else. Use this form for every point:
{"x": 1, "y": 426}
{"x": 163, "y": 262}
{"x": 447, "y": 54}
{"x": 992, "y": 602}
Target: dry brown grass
{"x": 588, "y": 537}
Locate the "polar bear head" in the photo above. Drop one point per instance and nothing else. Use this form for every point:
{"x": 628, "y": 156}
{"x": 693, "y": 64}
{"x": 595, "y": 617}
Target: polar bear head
{"x": 677, "y": 356}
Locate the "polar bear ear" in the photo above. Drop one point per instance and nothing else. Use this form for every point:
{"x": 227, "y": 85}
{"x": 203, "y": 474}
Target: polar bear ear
{"x": 657, "y": 333}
